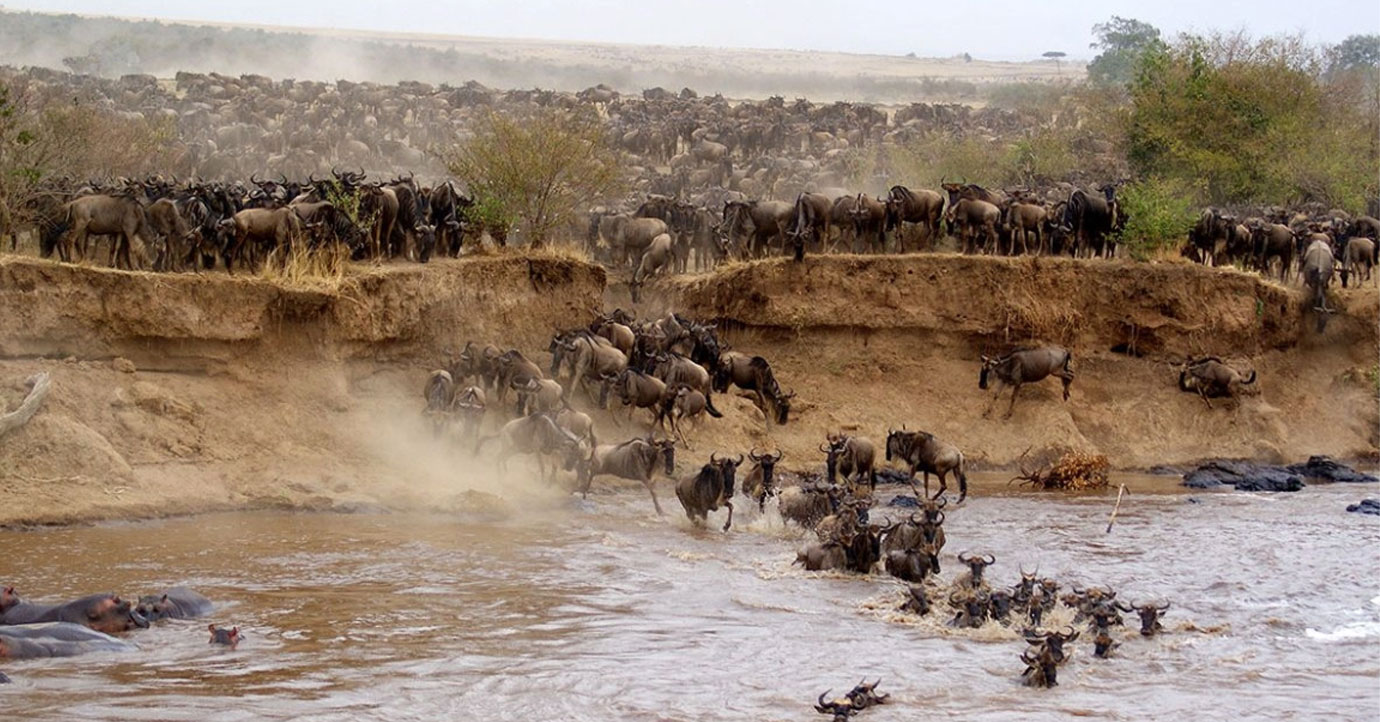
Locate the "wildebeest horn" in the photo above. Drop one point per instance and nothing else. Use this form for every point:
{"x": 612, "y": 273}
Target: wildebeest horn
{"x": 943, "y": 502}
{"x": 989, "y": 559}
{"x": 738, "y": 460}
{"x": 941, "y": 518}
{"x": 963, "y": 557}
{"x": 714, "y": 457}
{"x": 1165, "y": 607}
{"x": 913, "y": 521}
{"x": 824, "y": 448}
{"x": 754, "y": 455}
{"x": 777, "y": 457}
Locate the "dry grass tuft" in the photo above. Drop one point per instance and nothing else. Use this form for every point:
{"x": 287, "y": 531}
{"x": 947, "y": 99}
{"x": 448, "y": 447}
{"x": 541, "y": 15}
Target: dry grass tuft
{"x": 316, "y": 269}
{"x": 1074, "y": 471}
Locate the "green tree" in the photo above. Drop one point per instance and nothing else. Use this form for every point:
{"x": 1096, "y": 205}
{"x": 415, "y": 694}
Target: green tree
{"x": 1248, "y": 121}
{"x": 1123, "y": 42}
{"x": 1358, "y": 52}
{"x": 536, "y": 169}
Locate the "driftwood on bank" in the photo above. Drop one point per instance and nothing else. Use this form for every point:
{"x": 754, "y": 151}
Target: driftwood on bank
{"x": 38, "y": 390}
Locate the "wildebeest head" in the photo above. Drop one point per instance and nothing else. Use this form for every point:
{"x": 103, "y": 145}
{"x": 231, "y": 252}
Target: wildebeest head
{"x": 767, "y": 463}
{"x": 667, "y": 449}
{"x": 1150, "y": 617}
{"x": 988, "y": 364}
{"x": 426, "y": 241}
{"x": 977, "y": 564}
{"x": 841, "y": 708}
{"x": 783, "y": 407}
{"x": 999, "y": 605}
{"x": 728, "y": 470}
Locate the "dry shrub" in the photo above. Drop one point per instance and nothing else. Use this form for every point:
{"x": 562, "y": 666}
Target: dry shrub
{"x": 314, "y": 268}
{"x": 1074, "y": 471}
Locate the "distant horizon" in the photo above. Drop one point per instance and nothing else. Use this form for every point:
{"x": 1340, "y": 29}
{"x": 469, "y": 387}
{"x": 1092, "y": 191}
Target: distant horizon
{"x": 1009, "y": 36}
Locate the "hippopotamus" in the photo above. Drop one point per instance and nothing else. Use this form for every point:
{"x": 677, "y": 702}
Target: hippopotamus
{"x": 229, "y": 637}
{"x": 55, "y": 639}
{"x": 175, "y": 603}
{"x": 101, "y": 612}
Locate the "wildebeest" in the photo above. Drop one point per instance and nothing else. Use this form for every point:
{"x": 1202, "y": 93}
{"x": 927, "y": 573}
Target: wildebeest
{"x": 823, "y": 556}
{"x": 1026, "y": 366}
{"x": 768, "y": 219}
{"x": 754, "y": 374}
{"x": 807, "y": 506}
{"x": 635, "y": 390}
{"x": 536, "y": 434}
{"x": 708, "y": 489}
{"x": 270, "y": 228}
{"x": 1358, "y": 258}
{"x": 923, "y": 207}
{"x": 440, "y": 395}
{"x": 676, "y": 369}
{"x": 976, "y": 565}
{"x": 973, "y": 218}
{"x": 1272, "y": 240}
{"x": 1318, "y": 263}
{"x": 1211, "y": 378}
{"x": 812, "y": 221}
{"x": 633, "y": 459}
{"x": 119, "y": 216}
{"x": 679, "y": 404}
{"x": 760, "y": 482}
{"x": 539, "y": 395}
{"x": 1091, "y": 218}
{"x": 924, "y": 453}
{"x": 852, "y": 458}
{"x": 470, "y": 403}
{"x": 655, "y": 260}
{"x": 1022, "y": 219}
{"x": 1149, "y": 617}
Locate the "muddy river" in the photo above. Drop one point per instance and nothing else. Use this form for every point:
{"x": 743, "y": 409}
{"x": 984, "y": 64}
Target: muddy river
{"x": 599, "y": 610}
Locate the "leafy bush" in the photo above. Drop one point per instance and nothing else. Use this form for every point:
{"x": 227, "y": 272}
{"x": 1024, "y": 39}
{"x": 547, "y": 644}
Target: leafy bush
{"x": 1159, "y": 212}
{"x": 536, "y": 169}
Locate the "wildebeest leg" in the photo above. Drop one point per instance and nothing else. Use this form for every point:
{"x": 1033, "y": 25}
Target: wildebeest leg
{"x": 729, "y": 523}
{"x": 1011, "y": 408}
{"x": 943, "y": 484}
{"x": 1067, "y": 378}
{"x": 1203, "y": 393}
{"x": 651, "y": 489}
{"x": 675, "y": 426}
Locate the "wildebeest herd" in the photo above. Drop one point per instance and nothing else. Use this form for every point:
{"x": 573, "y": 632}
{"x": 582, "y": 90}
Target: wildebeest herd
{"x": 711, "y": 179}
{"x": 671, "y": 367}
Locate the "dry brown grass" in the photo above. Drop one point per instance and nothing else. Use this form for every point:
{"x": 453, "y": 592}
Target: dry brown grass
{"x": 319, "y": 269}
{"x": 1074, "y": 471}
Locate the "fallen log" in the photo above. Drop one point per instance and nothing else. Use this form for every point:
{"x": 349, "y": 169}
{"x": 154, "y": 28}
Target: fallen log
{"x": 38, "y": 384}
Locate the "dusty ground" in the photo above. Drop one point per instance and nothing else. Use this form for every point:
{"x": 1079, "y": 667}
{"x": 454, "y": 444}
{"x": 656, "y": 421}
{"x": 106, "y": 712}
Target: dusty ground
{"x": 191, "y": 393}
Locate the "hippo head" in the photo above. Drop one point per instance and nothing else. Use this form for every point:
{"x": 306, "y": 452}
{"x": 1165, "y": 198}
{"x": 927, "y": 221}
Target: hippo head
{"x": 154, "y": 608}
{"x": 228, "y": 637}
{"x": 8, "y": 598}
{"x": 113, "y": 615}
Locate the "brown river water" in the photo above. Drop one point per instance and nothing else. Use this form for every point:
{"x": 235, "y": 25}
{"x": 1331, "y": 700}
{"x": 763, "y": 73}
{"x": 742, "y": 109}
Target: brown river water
{"x": 598, "y": 610}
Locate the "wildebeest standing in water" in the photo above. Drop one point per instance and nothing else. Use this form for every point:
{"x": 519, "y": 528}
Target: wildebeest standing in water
{"x": 1025, "y": 366}
{"x": 708, "y": 489}
{"x": 924, "y": 453}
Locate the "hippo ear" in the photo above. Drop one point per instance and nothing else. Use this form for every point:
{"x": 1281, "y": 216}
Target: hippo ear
{"x": 164, "y": 600}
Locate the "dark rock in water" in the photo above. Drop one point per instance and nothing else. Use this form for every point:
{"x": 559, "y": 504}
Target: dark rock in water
{"x": 892, "y": 476}
{"x": 4, "y": 679}
{"x": 903, "y": 500}
{"x": 1166, "y": 470}
{"x": 1325, "y": 468}
{"x": 1242, "y": 476}
{"x": 1367, "y": 506}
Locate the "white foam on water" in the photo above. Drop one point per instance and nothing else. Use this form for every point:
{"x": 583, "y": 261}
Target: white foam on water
{"x": 1355, "y": 630}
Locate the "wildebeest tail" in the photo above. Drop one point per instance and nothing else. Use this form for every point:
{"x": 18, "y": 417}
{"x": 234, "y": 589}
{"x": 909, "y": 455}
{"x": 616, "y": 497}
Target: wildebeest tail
{"x": 709, "y": 406}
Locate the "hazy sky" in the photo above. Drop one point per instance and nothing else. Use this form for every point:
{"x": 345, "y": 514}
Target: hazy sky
{"x": 1005, "y": 29}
